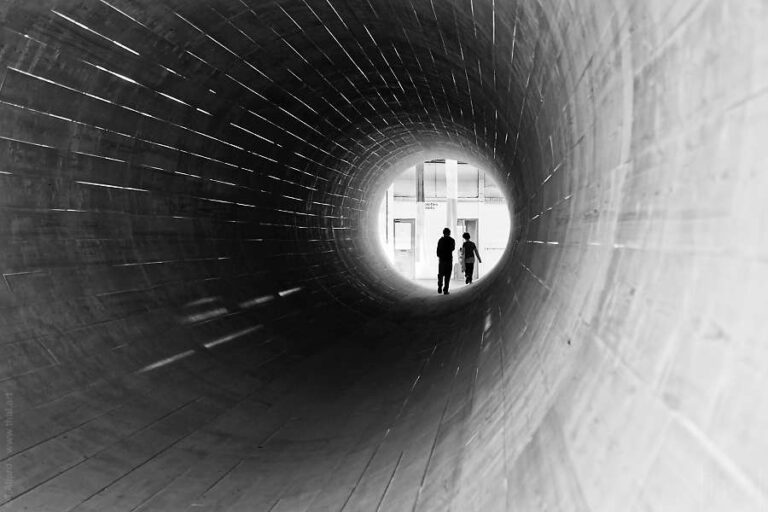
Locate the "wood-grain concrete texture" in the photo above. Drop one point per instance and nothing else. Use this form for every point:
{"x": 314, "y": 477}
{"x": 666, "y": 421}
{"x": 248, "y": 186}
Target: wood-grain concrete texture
{"x": 195, "y": 315}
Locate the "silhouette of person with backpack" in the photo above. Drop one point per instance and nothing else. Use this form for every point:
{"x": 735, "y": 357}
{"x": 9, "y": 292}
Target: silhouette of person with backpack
{"x": 468, "y": 253}
{"x": 445, "y": 248}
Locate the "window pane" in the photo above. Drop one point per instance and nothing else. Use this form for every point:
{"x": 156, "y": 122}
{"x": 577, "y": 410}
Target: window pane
{"x": 491, "y": 189}
{"x": 468, "y": 181}
{"x": 402, "y": 236}
{"x": 405, "y": 183}
{"x": 434, "y": 180}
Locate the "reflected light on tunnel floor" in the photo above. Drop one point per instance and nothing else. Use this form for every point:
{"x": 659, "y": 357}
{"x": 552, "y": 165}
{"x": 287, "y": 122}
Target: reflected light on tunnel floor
{"x": 427, "y": 197}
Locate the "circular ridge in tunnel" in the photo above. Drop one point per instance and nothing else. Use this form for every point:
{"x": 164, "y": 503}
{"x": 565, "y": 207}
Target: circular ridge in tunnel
{"x": 193, "y": 316}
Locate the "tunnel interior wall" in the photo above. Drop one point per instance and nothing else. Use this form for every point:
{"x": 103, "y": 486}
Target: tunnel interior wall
{"x": 164, "y": 196}
{"x": 633, "y": 306}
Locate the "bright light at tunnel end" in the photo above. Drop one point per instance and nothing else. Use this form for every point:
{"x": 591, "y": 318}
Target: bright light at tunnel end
{"x": 419, "y": 200}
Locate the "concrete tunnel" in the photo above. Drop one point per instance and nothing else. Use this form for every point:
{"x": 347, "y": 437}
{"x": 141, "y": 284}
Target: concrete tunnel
{"x": 195, "y": 314}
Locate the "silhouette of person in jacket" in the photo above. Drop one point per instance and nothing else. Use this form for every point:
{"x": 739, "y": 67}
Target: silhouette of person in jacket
{"x": 445, "y": 247}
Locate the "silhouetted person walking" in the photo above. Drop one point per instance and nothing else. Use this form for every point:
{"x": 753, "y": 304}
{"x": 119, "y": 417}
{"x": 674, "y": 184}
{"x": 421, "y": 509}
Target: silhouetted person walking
{"x": 445, "y": 247}
{"x": 468, "y": 253}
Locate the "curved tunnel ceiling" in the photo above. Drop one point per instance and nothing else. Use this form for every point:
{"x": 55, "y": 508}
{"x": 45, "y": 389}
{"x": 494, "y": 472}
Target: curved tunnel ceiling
{"x": 194, "y": 314}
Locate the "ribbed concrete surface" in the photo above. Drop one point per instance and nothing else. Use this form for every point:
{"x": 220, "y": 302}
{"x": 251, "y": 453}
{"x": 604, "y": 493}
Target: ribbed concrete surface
{"x": 194, "y": 316}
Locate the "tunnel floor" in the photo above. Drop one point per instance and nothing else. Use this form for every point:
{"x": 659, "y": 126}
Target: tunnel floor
{"x": 354, "y": 425}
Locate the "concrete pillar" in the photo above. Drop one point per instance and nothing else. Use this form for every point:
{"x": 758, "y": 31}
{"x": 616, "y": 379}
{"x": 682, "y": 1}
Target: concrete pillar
{"x": 452, "y": 194}
{"x": 422, "y": 252}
